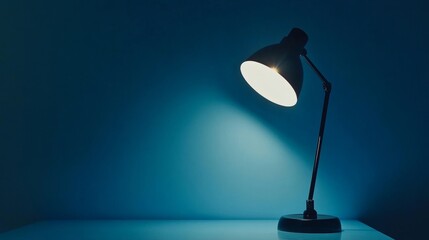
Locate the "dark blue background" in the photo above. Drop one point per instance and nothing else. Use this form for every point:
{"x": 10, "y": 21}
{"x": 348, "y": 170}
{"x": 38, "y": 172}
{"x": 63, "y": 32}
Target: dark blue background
{"x": 137, "y": 109}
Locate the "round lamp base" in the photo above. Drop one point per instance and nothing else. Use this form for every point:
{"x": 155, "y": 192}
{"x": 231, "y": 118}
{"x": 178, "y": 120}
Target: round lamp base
{"x": 297, "y": 223}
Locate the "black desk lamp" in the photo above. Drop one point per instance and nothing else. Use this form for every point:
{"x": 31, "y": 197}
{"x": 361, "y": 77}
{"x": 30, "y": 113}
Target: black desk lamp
{"x": 275, "y": 72}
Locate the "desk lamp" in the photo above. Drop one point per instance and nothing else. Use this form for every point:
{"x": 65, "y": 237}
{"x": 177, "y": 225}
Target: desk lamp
{"x": 275, "y": 72}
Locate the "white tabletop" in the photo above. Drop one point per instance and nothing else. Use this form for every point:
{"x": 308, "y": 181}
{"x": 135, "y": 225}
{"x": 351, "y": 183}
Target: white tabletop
{"x": 180, "y": 229}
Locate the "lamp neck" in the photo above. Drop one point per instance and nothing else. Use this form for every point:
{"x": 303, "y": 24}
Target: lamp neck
{"x": 325, "y": 82}
{"x": 310, "y": 212}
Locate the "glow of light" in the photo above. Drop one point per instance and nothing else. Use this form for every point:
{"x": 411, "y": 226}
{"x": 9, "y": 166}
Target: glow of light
{"x": 269, "y": 83}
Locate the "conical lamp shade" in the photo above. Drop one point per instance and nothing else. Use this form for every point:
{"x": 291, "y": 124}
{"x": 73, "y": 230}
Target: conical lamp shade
{"x": 275, "y": 72}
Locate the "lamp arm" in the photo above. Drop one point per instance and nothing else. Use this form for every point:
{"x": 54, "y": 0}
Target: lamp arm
{"x": 310, "y": 212}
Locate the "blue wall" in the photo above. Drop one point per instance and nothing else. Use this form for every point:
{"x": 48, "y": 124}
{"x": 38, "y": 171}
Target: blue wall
{"x": 136, "y": 109}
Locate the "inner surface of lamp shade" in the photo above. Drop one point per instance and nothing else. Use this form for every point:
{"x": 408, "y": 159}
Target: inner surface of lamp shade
{"x": 269, "y": 83}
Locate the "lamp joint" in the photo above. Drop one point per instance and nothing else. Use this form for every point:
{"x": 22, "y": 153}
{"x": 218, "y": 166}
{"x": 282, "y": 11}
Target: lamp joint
{"x": 327, "y": 86}
{"x": 310, "y": 212}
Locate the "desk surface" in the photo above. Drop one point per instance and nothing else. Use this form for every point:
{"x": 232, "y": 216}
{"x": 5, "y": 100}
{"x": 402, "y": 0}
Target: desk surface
{"x": 185, "y": 229}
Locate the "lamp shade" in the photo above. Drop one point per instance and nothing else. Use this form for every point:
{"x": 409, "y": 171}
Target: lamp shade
{"x": 275, "y": 72}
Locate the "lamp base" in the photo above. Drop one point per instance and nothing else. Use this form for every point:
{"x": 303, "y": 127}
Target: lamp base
{"x": 297, "y": 223}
